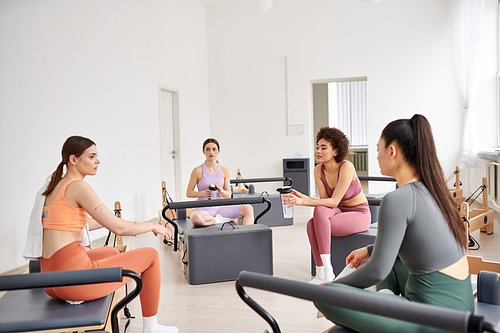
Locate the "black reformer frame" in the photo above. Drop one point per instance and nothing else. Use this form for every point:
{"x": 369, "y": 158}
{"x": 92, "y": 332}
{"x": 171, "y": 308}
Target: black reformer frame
{"x": 414, "y": 312}
{"x": 210, "y": 203}
{"x": 72, "y": 278}
{"x": 262, "y": 180}
{"x": 377, "y": 178}
{"x": 376, "y": 200}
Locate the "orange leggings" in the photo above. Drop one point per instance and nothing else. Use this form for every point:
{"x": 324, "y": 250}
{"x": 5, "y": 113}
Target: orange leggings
{"x": 144, "y": 261}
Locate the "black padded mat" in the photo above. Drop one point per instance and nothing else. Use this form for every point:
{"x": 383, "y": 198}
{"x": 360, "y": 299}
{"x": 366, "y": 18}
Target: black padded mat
{"x": 33, "y": 309}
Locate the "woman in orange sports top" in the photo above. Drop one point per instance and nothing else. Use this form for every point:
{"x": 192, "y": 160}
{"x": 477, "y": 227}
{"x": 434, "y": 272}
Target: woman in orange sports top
{"x": 69, "y": 200}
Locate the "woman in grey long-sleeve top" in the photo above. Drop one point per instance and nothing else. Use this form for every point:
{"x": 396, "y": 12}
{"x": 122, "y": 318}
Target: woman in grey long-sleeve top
{"x": 419, "y": 252}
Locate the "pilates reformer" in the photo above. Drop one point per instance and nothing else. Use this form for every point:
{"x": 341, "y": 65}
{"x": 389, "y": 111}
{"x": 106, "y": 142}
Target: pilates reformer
{"x": 171, "y": 213}
{"x": 26, "y": 307}
{"x": 248, "y": 188}
{"x": 477, "y": 264}
{"x": 118, "y": 244}
{"x": 482, "y": 219}
{"x": 181, "y": 224}
{"x": 165, "y": 200}
{"x": 374, "y": 200}
{"x": 118, "y": 240}
{"x": 457, "y": 193}
{"x": 485, "y": 319}
{"x": 205, "y": 255}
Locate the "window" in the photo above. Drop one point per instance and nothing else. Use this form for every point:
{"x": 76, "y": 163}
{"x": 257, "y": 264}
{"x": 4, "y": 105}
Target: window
{"x": 342, "y": 103}
{"x": 347, "y": 110}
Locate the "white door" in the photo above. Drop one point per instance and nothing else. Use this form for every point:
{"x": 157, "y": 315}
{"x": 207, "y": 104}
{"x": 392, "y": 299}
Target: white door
{"x": 167, "y": 141}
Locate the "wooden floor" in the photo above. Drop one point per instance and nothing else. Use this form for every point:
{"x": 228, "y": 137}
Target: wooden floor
{"x": 216, "y": 307}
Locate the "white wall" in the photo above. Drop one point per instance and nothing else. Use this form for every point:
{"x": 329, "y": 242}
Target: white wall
{"x": 404, "y": 47}
{"x": 92, "y": 68}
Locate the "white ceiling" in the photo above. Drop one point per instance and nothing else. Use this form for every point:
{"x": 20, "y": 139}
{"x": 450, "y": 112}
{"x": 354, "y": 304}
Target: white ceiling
{"x": 218, "y": 3}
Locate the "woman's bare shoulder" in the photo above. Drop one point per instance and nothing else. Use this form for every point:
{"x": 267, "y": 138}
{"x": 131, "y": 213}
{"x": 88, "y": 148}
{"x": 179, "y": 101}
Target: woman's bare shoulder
{"x": 347, "y": 165}
{"x": 317, "y": 169}
{"x": 198, "y": 171}
{"x": 347, "y": 170}
{"x": 79, "y": 189}
{"x": 225, "y": 171}
{"x": 79, "y": 185}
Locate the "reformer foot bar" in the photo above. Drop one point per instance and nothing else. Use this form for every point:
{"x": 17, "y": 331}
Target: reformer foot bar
{"x": 414, "y": 312}
{"x": 26, "y": 307}
{"x": 262, "y": 180}
{"x": 249, "y": 190}
{"x": 377, "y": 178}
{"x": 210, "y": 203}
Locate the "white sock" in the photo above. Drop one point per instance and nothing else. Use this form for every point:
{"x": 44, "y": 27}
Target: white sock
{"x": 221, "y": 219}
{"x": 320, "y": 275}
{"x": 151, "y": 326}
{"x": 329, "y": 275}
{"x": 386, "y": 291}
{"x": 346, "y": 271}
{"x": 75, "y": 302}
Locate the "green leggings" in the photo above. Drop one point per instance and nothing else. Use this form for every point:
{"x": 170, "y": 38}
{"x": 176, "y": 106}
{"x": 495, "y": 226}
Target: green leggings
{"x": 434, "y": 288}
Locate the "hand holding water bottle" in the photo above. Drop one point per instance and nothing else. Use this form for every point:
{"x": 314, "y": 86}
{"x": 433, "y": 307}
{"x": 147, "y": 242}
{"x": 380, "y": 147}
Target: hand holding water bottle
{"x": 213, "y": 191}
{"x": 286, "y": 196}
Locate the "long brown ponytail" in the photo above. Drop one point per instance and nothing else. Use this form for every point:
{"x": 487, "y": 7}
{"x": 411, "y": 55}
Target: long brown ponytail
{"x": 414, "y": 137}
{"x": 74, "y": 145}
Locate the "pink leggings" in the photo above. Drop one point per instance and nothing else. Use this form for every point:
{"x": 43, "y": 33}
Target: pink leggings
{"x": 338, "y": 221}
{"x": 144, "y": 261}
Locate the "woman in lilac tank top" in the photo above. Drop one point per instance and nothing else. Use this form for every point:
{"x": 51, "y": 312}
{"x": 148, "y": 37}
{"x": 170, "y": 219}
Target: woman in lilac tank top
{"x": 342, "y": 208}
{"x": 211, "y": 172}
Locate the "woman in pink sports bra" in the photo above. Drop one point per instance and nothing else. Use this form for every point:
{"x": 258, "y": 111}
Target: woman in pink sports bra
{"x": 211, "y": 172}
{"x": 342, "y": 208}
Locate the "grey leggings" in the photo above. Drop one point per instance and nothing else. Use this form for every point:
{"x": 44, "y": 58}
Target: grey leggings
{"x": 434, "y": 288}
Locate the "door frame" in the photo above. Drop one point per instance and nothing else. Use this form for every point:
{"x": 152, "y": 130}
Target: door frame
{"x": 176, "y": 135}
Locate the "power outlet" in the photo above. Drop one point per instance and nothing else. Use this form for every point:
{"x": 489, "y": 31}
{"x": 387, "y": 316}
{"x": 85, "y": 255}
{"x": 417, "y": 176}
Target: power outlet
{"x": 296, "y": 129}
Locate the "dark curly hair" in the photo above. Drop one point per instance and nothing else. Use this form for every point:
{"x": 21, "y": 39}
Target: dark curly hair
{"x": 337, "y": 139}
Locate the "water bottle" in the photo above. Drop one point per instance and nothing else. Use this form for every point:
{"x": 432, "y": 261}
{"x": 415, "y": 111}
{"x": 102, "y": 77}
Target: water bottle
{"x": 213, "y": 188}
{"x": 287, "y": 211}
